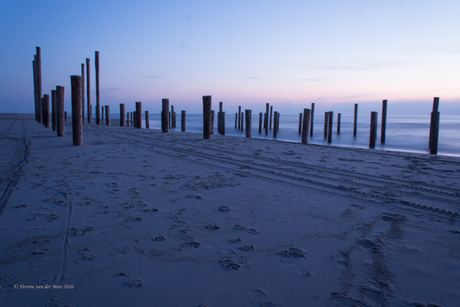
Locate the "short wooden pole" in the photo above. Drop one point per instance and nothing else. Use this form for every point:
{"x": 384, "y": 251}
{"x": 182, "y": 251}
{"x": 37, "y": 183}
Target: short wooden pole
{"x": 271, "y": 113}
{"x": 278, "y": 115}
{"x": 98, "y": 105}
{"x": 435, "y": 109}
{"x": 223, "y": 123}
{"x": 102, "y": 116}
{"x": 434, "y": 133}
{"x": 326, "y": 118}
{"x": 355, "y": 121}
{"x": 306, "y": 125}
{"x": 384, "y": 121}
{"x": 212, "y": 121}
{"x": 219, "y": 117}
{"x": 275, "y": 122}
{"x": 127, "y": 119}
{"x": 88, "y": 92}
{"x": 107, "y": 115}
{"x": 54, "y": 109}
{"x": 266, "y": 124}
{"x": 236, "y": 120}
{"x": 139, "y": 115}
{"x": 83, "y": 92}
{"x": 46, "y": 108}
{"x": 65, "y": 116}
{"x": 300, "y": 123}
{"x": 207, "y": 117}
{"x": 239, "y": 117}
{"x": 172, "y": 118}
{"x": 77, "y": 123}
{"x": 165, "y": 115}
{"x": 312, "y": 116}
{"x": 266, "y": 119}
{"x": 260, "y": 122}
{"x": 338, "y": 122}
{"x": 329, "y": 130}
{"x": 60, "y": 120}
{"x": 373, "y": 130}
{"x": 248, "y": 123}
{"x": 38, "y": 64}
{"x": 122, "y": 115}
{"x": 182, "y": 120}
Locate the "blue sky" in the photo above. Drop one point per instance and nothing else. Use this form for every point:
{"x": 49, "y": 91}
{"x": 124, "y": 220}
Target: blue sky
{"x": 287, "y": 53}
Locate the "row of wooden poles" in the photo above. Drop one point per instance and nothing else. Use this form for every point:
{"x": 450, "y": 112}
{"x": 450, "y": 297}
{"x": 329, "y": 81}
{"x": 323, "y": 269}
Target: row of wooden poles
{"x": 168, "y": 118}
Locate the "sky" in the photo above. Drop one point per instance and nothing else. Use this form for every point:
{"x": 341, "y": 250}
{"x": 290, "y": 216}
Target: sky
{"x": 287, "y": 53}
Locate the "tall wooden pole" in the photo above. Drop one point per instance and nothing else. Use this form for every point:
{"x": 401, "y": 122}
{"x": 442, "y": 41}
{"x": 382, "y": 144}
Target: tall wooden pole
{"x": 122, "y": 114}
{"x": 77, "y": 124}
{"x": 60, "y": 110}
{"x": 88, "y": 94}
{"x": 248, "y": 123}
{"x": 54, "y": 109}
{"x": 373, "y": 130}
{"x": 34, "y": 68}
{"x": 206, "y": 117}
{"x": 305, "y": 125}
{"x": 434, "y": 133}
{"x": 222, "y": 123}
{"x": 275, "y": 123}
{"x": 355, "y": 121}
{"x": 329, "y": 130}
{"x": 38, "y": 62}
{"x": 435, "y": 109}
{"x": 271, "y": 113}
{"x": 300, "y": 123}
{"x": 312, "y": 116}
{"x": 326, "y": 118}
{"x": 165, "y": 115}
{"x": 83, "y": 92}
{"x": 267, "y": 111}
{"x": 139, "y": 115}
{"x": 212, "y": 121}
{"x": 339, "y": 116}
{"x": 147, "y": 120}
{"x": 107, "y": 115}
{"x": 98, "y": 102}
{"x": 260, "y": 122}
{"x": 384, "y": 122}
{"x": 239, "y": 117}
{"x": 182, "y": 121}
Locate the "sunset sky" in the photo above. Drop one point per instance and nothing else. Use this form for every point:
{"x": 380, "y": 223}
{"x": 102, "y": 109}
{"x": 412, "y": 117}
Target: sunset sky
{"x": 287, "y": 53}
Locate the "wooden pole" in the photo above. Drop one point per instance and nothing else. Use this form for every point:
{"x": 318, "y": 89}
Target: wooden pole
{"x": 239, "y": 117}
{"x": 147, "y": 120}
{"x": 134, "y": 119}
{"x": 278, "y": 122}
{"x": 338, "y": 122}
{"x": 65, "y": 116}
{"x": 326, "y": 117}
{"x": 172, "y": 117}
{"x": 267, "y": 111}
{"x": 139, "y": 115}
{"x": 329, "y": 130}
{"x": 373, "y": 131}
{"x": 212, "y": 121}
{"x": 248, "y": 123}
{"x": 182, "y": 120}
{"x": 355, "y": 121}
{"x": 223, "y": 123}
{"x": 107, "y": 115}
{"x": 242, "y": 121}
{"x": 312, "y": 115}
{"x": 54, "y": 109}
{"x": 127, "y": 118}
{"x": 42, "y": 102}
{"x": 435, "y": 109}
{"x": 165, "y": 115}
{"x": 34, "y": 68}
{"x": 83, "y": 92}
{"x": 98, "y": 105}
{"x": 266, "y": 119}
{"x": 275, "y": 122}
{"x": 219, "y": 118}
{"x": 38, "y": 63}
{"x": 271, "y": 113}
{"x": 260, "y": 122}
{"x": 77, "y": 123}
{"x": 88, "y": 94}
{"x": 434, "y": 133}
{"x": 306, "y": 123}
{"x": 46, "y": 107}
{"x": 122, "y": 114}
{"x": 236, "y": 120}
{"x": 300, "y": 123}
{"x": 102, "y": 116}
{"x": 384, "y": 122}
{"x": 207, "y": 117}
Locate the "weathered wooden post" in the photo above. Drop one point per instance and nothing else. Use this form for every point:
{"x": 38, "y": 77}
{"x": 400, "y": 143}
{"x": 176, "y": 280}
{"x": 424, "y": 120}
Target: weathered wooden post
{"x": 248, "y": 123}
{"x": 223, "y": 123}
{"x": 83, "y": 92}
{"x": 206, "y": 117}
{"x": 102, "y": 116}
{"x": 271, "y": 113}
{"x": 46, "y": 108}
{"x": 329, "y": 130}
{"x": 107, "y": 115}
{"x": 300, "y": 123}
{"x": 122, "y": 114}
{"x": 267, "y": 112}
{"x": 278, "y": 122}
{"x": 434, "y": 127}
{"x": 326, "y": 118}
{"x": 147, "y": 120}
{"x": 355, "y": 121}
{"x": 139, "y": 115}
{"x": 38, "y": 64}
{"x": 373, "y": 132}
{"x": 77, "y": 123}
{"x": 275, "y": 123}
{"x": 54, "y": 109}
{"x": 88, "y": 94}
{"x": 127, "y": 119}
{"x": 98, "y": 105}
{"x": 42, "y": 102}
{"x": 338, "y": 122}
{"x": 260, "y": 122}
{"x": 34, "y": 68}
{"x": 384, "y": 122}
{"x": 239, "y": 117}
{"x": 165, "y": 115}
{"x": 236, "y": 120}
{"x": 219, "y": 118}
{"x": 172, "y": 118}
{"x": 306, "y": 123}
{"x": 435, "y": 109}
{"x": 182, "y": 120}
{"x": 60, "y": 110}
{"x": 312, "y": 115}
{"x": 212, "y": 121}
{"x": 65, "y": 116}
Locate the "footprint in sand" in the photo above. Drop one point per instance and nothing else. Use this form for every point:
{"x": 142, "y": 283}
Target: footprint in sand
{"x": 229, "y": 264}
{"x": 212, "y": 227}
{"x": 293, "y": 252}
{"x": 134, "y": 283}
{"x": 224, "y": 209}
{"x": 247, "y": 248}
{"x": 237, "y": 240}
{"x": 269, "y": 304}
{"x": 343, "y": 259}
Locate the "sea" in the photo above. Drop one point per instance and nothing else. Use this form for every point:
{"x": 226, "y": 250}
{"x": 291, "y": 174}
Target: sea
{"x": 406, "y": 133}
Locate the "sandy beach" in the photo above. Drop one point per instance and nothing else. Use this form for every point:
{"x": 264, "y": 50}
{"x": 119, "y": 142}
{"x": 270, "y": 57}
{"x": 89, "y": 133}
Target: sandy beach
{"x": 137, "y": 217}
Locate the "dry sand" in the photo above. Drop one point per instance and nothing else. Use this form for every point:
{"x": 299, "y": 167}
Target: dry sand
{"x": 142, "y": 218}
